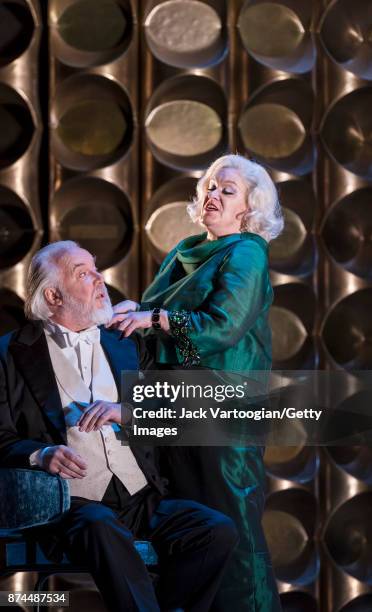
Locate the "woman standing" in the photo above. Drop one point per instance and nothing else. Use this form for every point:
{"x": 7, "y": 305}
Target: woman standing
{"x": 208, "y": 307}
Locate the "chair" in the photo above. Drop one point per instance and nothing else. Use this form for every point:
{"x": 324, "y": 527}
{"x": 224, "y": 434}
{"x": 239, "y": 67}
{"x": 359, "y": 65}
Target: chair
{"x": 25, "y": 505}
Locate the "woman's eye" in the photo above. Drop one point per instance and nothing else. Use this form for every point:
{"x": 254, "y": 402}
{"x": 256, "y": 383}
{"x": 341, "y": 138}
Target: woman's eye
{"x": 211, "y": 187}
{"x": 227, "y": 192}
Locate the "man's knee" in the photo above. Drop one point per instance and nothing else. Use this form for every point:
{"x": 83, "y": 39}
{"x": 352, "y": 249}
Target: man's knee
{"x": 221, "y": 527}
{"x": 98, "y": 519}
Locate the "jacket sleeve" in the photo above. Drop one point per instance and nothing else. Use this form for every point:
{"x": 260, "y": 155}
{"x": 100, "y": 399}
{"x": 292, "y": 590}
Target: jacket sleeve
{"x": 15, "y": 451}
{"x": 241, "y": 292}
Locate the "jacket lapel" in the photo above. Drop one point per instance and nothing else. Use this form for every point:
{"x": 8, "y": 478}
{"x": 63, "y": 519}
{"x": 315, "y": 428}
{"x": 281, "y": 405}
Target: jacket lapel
{"x": 123, "y": 358}
{"x": 30, "y": 352}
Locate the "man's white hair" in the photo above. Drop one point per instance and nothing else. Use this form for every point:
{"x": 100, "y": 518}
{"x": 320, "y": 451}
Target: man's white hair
{"x": 265, "y": 216}
{"x": 43, "y": 273}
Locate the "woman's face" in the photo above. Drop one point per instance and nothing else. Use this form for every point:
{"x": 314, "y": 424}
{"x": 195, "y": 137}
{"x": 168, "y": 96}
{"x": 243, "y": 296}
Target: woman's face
{"x": 225, "y": 202}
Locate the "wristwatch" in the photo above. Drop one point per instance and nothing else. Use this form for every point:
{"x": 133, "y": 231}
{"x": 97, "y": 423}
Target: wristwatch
{"x": 155, "y": 318}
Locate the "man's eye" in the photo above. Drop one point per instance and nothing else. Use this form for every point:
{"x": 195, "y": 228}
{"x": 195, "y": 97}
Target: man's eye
{"x": 82, "y": 274}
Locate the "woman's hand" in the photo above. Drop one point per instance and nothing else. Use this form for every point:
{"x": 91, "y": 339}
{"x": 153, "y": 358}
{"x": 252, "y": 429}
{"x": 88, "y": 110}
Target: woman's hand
{"x": 121, "y": 309}
{"x": 126, "y": 306}
{"x": 130, "y": 321}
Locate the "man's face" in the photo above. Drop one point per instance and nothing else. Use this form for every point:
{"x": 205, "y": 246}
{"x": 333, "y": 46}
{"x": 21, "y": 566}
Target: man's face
{"x": 84, "y": 295}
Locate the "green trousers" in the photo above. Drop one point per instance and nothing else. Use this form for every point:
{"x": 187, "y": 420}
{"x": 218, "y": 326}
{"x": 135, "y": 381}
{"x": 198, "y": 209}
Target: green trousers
{"x": 232, "y": 481}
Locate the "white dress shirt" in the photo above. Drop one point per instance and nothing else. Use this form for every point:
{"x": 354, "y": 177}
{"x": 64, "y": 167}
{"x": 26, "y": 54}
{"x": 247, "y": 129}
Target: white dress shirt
{"x": 83, "y": 375}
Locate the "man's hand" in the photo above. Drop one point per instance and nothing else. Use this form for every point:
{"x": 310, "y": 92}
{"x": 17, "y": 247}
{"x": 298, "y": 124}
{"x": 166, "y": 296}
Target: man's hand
{"x": 100, "y": 413}
{"x": 64, "y": 461}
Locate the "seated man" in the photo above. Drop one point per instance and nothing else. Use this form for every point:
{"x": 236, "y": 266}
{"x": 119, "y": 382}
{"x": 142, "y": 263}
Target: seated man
{"x": 59, "y": 381}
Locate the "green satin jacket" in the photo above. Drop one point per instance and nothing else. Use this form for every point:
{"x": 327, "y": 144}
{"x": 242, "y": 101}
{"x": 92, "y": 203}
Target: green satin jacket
{"x": 225, "y": 287}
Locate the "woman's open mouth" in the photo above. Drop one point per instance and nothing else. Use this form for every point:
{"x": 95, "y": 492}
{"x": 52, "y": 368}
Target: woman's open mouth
{"x": 210, "y": 206}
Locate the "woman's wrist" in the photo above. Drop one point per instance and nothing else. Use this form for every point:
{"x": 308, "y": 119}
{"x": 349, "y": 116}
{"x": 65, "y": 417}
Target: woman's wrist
{"x": 164, "y": 321}
{"x": 159, "y": 319}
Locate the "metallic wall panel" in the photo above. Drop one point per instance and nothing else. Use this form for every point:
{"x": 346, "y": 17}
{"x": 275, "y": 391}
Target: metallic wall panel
{"x": 94, "y": 134}
{"x": 21, "y": 225}
{"x": 343, "y": 177}
{"x": 143, "y": 95}
{"x": 186, "y": 122}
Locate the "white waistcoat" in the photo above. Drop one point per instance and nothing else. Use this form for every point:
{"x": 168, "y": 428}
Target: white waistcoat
{"x": 102, "y": 451}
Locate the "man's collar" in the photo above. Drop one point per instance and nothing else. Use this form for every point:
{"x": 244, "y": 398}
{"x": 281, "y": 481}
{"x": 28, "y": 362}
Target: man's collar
{"x": 65, "y": 337}
{"x": 57, "y": 328}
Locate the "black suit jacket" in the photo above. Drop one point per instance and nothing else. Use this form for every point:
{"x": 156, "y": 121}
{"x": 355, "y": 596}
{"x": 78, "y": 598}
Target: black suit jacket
{"x": 31, "y": 415}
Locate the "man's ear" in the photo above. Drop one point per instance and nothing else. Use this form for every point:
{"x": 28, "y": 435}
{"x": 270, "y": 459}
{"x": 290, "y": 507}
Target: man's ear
{"x": 53, "y": 296}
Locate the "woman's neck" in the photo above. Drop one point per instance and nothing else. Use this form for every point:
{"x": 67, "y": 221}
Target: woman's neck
{"x": 211, "y": 236}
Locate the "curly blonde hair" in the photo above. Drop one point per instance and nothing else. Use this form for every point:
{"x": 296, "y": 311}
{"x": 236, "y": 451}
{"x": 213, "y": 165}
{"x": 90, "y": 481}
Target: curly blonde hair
{"x": 265, "y": 216}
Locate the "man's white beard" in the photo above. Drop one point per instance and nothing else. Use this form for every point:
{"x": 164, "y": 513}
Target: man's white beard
{"x": 88, "y": 314}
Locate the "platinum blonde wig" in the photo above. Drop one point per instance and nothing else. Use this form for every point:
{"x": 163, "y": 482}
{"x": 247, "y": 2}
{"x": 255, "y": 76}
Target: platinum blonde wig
{"x": 43, "y": 273}
{"x": 265, "y": 216}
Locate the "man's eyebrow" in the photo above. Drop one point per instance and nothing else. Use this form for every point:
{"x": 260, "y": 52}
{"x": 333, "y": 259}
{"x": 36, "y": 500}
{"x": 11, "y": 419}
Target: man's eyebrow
{"x": 77, "y": 265}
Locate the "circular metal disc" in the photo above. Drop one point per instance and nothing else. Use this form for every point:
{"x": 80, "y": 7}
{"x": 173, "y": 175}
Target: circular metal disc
{"x": 16, "y": 30}
{"x": 347, "y": 232}
{"x": 288, "y": 332}
{"x": 271, "y": 30}
{"x": 348, "y": 536}
{"x": 286, "y": 537}
{"x": 183, "y": 32}
{"x": 184, "y": 127}
{"x": 92, "y": 25}
{"x": 271, "y": 130}
{"x": 92, "y": 127}
{"x": 168, "y": 225}
{"x": 96, "y": 214}
{"x": 16, "y": 126}
{"x": 346, "y": 34}
{"x": 91, "y": 122}
{"x": 281, "y": 454}
{"x": 16, "y": 229}
{"x": 347, "y": 132}
{"x": 353, "y": 348}
{"x": 292, "y": 238}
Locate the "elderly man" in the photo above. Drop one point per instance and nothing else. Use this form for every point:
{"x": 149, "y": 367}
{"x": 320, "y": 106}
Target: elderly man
{"x": 59, "y": 411}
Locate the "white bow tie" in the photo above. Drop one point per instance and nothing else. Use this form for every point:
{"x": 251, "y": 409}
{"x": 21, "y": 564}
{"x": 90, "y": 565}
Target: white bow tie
{"x": 64, "y": 337}
{"x": 90, "y": 336}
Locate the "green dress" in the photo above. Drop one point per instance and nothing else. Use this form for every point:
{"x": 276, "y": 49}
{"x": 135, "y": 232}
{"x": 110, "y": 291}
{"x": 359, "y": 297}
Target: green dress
{"x": 218, "y": 295}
